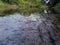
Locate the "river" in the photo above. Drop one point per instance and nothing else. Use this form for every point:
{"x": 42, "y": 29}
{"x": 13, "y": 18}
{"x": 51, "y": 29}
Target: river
{"x": 36, "y": 29}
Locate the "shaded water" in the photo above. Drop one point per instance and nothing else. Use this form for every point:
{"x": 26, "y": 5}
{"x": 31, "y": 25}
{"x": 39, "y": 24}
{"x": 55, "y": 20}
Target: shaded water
{"x": 37, "y": 29}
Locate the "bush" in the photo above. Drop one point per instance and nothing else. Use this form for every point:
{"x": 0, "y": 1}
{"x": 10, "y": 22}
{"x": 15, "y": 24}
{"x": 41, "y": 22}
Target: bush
{"x": 3, "y": 7}
{"x": 24, "y": 6}
{"x": 57, "y": 7}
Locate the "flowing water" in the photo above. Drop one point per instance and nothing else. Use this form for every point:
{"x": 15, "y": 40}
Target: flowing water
{"x": 36, "y": 29}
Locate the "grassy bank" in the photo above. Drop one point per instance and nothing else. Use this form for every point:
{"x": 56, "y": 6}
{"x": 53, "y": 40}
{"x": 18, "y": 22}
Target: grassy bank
{"x": 22, "y": 7}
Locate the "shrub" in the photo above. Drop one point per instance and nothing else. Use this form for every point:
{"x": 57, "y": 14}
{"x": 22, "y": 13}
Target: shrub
{"x": 3, "y": 7}
{"x": 57, "y": 7}
{"x": 25, "y": 6}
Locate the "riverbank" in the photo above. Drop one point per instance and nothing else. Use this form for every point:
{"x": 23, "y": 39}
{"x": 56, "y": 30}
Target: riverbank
{"x": 22, "y": 7}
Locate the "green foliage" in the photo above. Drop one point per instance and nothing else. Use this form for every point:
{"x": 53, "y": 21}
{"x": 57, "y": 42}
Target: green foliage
{"x": 3, "y": 7}
{"x": 32, "y": 5}
{"x": 25, "y": 6}
{"x": 10, "y": 1}
{"x": 57, "y": 7}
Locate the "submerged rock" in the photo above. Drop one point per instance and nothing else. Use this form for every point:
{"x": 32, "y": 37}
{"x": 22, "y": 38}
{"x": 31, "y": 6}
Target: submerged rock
{"x": 37, "y": 29}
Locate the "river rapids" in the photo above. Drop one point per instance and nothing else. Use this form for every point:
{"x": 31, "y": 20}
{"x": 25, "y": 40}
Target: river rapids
{"x": 36, "y": 29}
